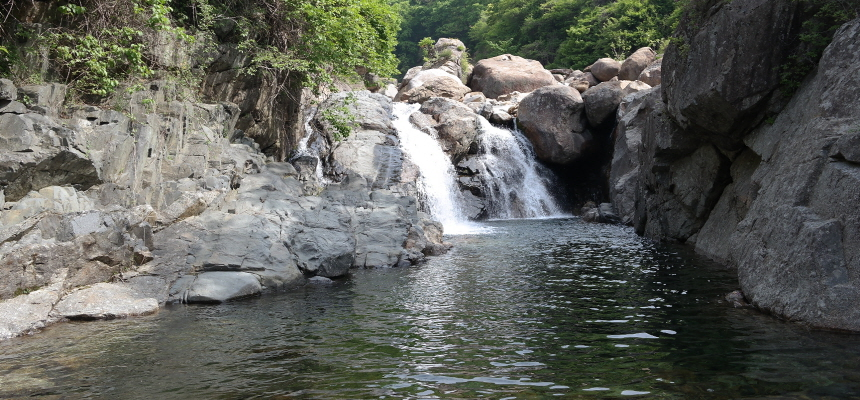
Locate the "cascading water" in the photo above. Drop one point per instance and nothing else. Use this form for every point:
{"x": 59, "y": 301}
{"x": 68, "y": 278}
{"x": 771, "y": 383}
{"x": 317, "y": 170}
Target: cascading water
{"x": 517, "y": 185}
{"x": 308, "y": 149}
{"x": 438, "y": 181}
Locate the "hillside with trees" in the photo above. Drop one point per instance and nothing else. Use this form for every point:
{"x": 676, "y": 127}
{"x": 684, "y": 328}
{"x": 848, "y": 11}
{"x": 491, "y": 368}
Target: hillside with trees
{"x": 558, "y": 33}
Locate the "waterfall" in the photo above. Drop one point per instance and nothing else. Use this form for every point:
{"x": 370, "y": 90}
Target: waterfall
{"x": 517, "y": 185}
{"x": 438, "y": 180}
{"x": 306, "y": 148}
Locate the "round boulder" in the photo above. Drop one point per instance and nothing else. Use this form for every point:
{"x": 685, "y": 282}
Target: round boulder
{"x": 605, "y": 69}
{"x": 551, "y": 118}
{"x": 636, "y": 63}
{"x": 506, "y": 74}
{"x": 432, "y": 83}
{"x": 602, "y": 100}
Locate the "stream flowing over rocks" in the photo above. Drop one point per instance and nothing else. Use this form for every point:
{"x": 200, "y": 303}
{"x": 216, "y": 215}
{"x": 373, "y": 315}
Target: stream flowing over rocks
{"x": 108, "y": 214}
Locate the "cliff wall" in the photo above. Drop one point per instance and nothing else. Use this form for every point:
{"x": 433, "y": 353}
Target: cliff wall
{"x": 721, "y": 158}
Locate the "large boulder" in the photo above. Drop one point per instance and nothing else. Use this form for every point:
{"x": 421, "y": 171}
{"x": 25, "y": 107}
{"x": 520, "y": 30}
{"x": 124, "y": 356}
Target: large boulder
{"x": 432, "y": 83}
{"x": 720, "y": 84}
{"x": 636, "y": 63}
{"x": 552, "y": 119}
{"x": 449, "y": 57}
{"x": 602, "y": 101}
{"x": 506, "y": 74}
{"x": 605, "y": 69}
{"x": 371, "y": 150}
{"x": 456, "y": 124}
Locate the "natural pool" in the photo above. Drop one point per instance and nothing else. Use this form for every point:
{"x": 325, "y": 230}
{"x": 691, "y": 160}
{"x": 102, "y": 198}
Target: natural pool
{"x": 537, "y": 309}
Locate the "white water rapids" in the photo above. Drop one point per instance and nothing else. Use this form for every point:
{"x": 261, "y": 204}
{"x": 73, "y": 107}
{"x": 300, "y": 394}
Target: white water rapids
{"x": 437, "y": 181}
{"x": 516, "y": 184}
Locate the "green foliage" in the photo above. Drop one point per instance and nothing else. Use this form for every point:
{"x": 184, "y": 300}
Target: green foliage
{"x": 315, "y": 40}
{"x": 572, "y": 33}
{"x": 96, "y": 65}
{"x": 426, "y": 46}
{"x": 465, "y": 66}
{"x": 826, "y": 16}
{"x": 341, "y": 118}
{"x": 616, "y": 30}
{"x": 434, "y": 19}
{"x": 95, "y": 46}
{"x": 559, "y": 33}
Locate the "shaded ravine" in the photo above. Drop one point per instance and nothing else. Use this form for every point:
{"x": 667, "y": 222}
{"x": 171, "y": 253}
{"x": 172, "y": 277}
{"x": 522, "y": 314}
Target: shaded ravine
{"x": 539, "y": 309}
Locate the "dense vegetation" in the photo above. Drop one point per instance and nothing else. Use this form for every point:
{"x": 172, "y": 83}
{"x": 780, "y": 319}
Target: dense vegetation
{"x": 96, "y": 45}
{"x": 559, "y": 33}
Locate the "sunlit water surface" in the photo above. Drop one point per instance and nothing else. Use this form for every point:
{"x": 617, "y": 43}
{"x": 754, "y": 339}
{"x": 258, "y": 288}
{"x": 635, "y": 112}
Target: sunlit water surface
{"x": 538, "y": 309}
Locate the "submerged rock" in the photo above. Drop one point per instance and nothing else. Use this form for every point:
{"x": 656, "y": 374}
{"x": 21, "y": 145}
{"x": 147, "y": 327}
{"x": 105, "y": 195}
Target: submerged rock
{"x": 216, "y": 287}
{"x": 105, "y": 301}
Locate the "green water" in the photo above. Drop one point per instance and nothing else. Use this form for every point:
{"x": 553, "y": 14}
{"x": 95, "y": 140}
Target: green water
{"x": 539, "y": 309}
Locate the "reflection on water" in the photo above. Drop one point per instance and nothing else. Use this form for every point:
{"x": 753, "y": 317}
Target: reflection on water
{"x": 538, "y": 309}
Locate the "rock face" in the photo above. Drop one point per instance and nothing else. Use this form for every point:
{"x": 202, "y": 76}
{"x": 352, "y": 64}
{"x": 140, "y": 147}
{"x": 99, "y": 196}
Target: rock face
{"x": 774, "y": 200}
{"x": 805, "y": 195}
{"x": 164, "y": 204}
{"x": 507, "y": 74}
{"x": 552, "y": 119}
{"x": 662, "y": 181}
{"x": 449, "y": 53}
{"x": 712, "y": 86}
{"x": 270, "y": 120}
